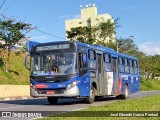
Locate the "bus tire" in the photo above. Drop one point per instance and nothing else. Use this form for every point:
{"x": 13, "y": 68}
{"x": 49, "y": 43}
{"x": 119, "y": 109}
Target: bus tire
{"x": 97, "y": 98}
{"x": 52, "y": 100}
{"x": 90, "y": 99}
{"x": 126, "y": 92}
{"x": 118, "y": 97}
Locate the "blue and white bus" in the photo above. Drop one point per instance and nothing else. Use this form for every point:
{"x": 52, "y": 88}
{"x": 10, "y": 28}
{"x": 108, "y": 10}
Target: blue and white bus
{"x": 74, "y": 69}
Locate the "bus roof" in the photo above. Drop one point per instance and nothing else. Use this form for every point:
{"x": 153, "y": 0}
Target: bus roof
{"x": 106, "y": 49}
{"x": 94, "y": 46}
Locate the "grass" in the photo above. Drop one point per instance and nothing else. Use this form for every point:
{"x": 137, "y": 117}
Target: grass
{"x": 18, "y": 74}
{"x": 151, "y": 84}
{"x": 150, "y": 103}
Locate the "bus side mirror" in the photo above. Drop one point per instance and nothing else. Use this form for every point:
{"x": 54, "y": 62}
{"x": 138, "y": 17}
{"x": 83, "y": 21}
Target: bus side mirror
{"x": 27, "y": 62}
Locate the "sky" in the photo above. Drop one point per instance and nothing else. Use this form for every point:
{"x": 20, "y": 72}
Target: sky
{"x": 140, "y": 18}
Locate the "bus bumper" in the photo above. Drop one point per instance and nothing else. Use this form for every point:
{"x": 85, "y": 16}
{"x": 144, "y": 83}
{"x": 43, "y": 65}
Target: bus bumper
{"x": 72, "y": 92}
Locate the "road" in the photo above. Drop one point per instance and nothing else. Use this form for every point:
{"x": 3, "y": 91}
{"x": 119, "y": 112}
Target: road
{"x": 41, "y": 104}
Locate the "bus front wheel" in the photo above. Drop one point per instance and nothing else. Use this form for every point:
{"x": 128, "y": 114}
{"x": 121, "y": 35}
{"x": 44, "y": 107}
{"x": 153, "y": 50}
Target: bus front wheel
{"x": 90, "y": 99}
{"x": 52, "y": 100}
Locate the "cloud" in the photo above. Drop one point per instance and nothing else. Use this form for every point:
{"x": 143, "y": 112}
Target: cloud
{"x": 67, "y": 17}
{"x": 150, "y": 48}
{"x": 38, "y": 37}
{"x": 63, "y": 16}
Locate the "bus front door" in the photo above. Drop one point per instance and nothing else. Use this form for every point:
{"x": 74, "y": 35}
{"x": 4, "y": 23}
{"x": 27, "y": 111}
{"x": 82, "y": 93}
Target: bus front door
{"x": 100, "y": 73}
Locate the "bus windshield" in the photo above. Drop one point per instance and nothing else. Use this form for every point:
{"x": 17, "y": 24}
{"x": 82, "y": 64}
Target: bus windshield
{"x": 53, "y": 64}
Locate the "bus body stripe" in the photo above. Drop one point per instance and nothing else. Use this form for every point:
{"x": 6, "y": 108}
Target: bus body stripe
{"x": 120, "y": 85}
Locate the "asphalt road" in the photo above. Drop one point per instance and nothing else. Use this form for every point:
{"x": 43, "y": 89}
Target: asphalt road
{"x": 64, "y": 105}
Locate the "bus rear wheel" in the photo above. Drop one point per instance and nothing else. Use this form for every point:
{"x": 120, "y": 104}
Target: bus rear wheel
{"x": 126, "y": 92}
{"x": 52, "y": 100}
{"x": 90, "y": 99}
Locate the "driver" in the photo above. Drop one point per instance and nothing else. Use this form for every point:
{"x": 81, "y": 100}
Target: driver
{"x": 54, "y": 64}
{"x": 65, "y": 64}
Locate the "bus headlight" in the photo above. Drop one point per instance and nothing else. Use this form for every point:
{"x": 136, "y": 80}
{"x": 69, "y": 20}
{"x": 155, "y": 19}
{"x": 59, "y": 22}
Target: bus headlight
{"x": 33, "y": 87}
{"x": 72, "y": 84}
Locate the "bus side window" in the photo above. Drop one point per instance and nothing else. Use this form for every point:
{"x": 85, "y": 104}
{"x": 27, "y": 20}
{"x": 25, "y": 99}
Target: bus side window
{"x": 107, "y": 62}
{"x": 84, "y": 60}
{"x": 92, "y": 59}
{"x": 92, "y": 55}
{"x": 121, "y": 67}
{"x": 135, "y": 67}
{"x": 83, "y": 63}
{"x": 131, "y": 66}
{"x": 107, "y": 58}
{"x": 126, "y": 63}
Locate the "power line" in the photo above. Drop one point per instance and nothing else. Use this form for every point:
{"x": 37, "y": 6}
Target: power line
{"x": 9, "y": 6}
{"x": 2, "y": 4}
{"x": 50, "y": 34}
{"x": 35, "y": 28}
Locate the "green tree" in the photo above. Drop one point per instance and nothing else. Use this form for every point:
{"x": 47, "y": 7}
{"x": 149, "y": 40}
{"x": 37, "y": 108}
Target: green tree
{"x": 11, "y": 32}
{"x": 82, "y": 34}
{"x": 126, "y": 45}
{"x": 107, "y": 29}
{"x": 74, "y": 33}
{"x": 150, "y": 66}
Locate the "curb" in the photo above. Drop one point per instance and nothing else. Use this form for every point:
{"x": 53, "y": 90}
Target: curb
{"x": 16, "y": 98}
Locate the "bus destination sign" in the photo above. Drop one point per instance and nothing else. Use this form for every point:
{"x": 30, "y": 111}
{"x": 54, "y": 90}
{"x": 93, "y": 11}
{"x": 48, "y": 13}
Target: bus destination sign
{"x": 53, "y": 47}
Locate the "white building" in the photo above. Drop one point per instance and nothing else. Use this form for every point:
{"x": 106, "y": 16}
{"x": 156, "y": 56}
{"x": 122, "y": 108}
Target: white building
{"x": 89, "y": 17}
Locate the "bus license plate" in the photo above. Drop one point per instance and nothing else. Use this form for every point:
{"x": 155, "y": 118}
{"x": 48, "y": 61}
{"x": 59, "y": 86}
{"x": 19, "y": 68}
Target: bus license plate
{"x": 50, "y": 92}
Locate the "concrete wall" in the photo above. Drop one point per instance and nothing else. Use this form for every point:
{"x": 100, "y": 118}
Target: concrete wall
{"x": 14, "y": 91}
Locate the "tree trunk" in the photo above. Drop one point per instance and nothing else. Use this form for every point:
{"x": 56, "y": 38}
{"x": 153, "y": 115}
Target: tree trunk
{"x": 2, "y": 56}
{"x": 5, "y": 66}
{"x": 104, "y": 44}
{"x": 9, "y": 53}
